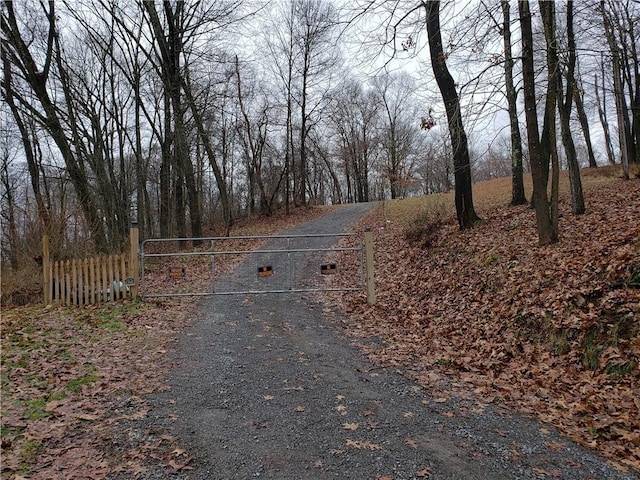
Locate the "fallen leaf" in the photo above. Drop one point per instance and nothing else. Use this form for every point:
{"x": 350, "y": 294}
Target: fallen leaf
{"x": 87, "y": 416}
{"x": 363, "y": 445}
{"x": 177, "y": 466}
{"x": 555, "y": 446}
{"x": 547, "y": 473}
{"x": 350, "y": 426}
{"x": 410, "y": 442}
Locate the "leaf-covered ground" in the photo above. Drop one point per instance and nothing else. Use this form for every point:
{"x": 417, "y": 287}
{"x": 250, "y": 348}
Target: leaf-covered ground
{"x": 70, "y": 376}
{"x": 486, "y": 313}
{"x": 72, "y": 379}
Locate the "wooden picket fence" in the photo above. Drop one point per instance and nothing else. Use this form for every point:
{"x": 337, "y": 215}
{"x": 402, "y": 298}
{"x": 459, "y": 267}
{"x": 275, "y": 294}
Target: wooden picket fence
{"x": 91, "y": 280}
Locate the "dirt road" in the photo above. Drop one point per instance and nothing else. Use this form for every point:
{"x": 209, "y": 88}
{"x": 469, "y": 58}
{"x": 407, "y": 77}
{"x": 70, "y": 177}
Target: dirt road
{"x": 269, "y": 386}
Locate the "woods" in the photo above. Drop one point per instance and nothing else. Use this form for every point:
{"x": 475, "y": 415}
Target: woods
{"x": 185, "y": 116}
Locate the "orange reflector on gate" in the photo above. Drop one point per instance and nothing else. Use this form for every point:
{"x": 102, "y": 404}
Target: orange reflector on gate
{"x": 265, "y": 271}
{"x": 328, "y": 268}
{"x": 177, "y": 272}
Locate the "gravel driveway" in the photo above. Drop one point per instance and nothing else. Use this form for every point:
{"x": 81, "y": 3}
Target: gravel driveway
{"x": 269, "y": 386}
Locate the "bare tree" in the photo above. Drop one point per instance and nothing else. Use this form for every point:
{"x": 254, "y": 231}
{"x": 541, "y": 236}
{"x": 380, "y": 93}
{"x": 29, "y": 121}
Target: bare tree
{"x": 517, "y": 182}
{"x": 315, "y": 22}
{"x": 398, "y": 129}
{"x": 253, "y": 137}
{"x": 547, "y": 231}
{"x": 355, "y": 113}
{"x": 171, "y": 42}
{"x": 465, "y": 211}
{"x": 29, "y": 143}
{"x": 619, "y": 28}
{"x": 565, "y": 102}
{"x": 602, "y": 114}
{"x": 8, "y": 202}
{"x": 48, "y": 112}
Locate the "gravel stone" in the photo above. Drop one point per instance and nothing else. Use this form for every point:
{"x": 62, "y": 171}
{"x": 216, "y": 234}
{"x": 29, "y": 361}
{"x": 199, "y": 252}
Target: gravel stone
{"x": 268, "y": 386}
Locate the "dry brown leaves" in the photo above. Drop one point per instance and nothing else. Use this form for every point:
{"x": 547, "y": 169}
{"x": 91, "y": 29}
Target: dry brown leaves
{"x": 551, "y": 331}
{"x": 72, "y": 379}
{"x": 72, "y": 375}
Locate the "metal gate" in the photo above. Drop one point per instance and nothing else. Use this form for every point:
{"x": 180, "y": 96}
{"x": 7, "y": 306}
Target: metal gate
{"x": 252, "y": 264}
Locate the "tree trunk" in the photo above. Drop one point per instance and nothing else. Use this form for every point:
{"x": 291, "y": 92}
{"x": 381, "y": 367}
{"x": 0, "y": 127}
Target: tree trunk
{"x": 517, "y": 182}
{"x": 564, "y": 109}
{"x": 546, "y": 232}
{"x": 549, "y": 135}
{"x": 617, "y": 91}
{"x": 166, "y": 205}
{"x": 465, "y": 212}
{"x": 602, "y": 114}
{"x": 584, "y": 123}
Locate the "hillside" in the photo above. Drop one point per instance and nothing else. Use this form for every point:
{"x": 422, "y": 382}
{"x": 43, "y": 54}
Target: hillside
{"x": 487, "y": 314}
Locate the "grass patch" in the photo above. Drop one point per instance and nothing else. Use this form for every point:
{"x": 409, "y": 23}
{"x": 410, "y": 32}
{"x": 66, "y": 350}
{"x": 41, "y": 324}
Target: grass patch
{"x": 75, "y": 385}
{"x": 444, "y": 363}
{"x": 558, "y": 342}
{"x": 620, "y": 369}
{"x": 59, "y": 395}
{"x": 36, "y": 409}
{"x": 112, "y": 315}
{"x": 113, "y": 325}
{"x": 29, "y": 455}
{"x": 591, "y": 351}
{"x": 424, "y": 227}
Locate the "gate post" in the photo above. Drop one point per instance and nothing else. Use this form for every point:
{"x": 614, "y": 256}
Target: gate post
{"x": 368, "y": 255}
{"x": 46, "y": 270}
{"x": 134, "y": 239}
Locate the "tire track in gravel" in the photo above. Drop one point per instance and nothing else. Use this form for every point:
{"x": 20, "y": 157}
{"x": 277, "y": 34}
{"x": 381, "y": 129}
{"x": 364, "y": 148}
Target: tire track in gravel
{"x": 268, "y": 386}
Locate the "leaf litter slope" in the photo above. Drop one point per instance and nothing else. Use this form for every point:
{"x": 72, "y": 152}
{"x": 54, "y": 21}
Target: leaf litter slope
{"x": 485, "y": 313}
